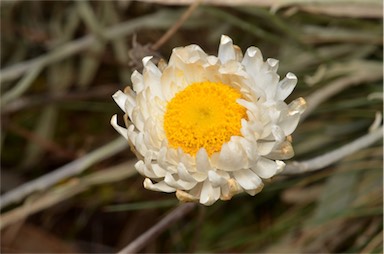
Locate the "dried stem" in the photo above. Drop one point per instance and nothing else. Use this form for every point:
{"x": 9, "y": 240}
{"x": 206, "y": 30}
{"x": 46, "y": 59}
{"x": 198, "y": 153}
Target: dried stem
{"x": 140, "y": 242}
{"x": 36, "y": 203}
{"x": 73, "y": 168}
{"x": 327, "y": 159}
{"x": 49, "y": 98}
{"x": 361, "y": 8}
{"x": 40, "y": 141}
{"x": 22, "y": 85}
{"x": 163, "y": 20}
{"x": 358, "y": 73}
{"x": 177, "y": 25}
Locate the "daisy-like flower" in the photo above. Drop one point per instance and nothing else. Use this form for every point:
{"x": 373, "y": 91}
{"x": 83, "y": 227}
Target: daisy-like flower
{"x": 209, "y": 127}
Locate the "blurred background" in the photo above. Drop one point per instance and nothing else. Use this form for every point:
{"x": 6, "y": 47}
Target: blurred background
{"x": 62, "y": 60}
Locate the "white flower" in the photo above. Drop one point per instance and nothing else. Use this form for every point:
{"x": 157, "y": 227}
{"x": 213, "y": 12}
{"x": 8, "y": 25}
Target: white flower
{"x": 209, "y": 127}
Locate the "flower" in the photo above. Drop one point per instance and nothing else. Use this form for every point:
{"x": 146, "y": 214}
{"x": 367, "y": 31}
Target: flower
{"x": 209, "y": 127}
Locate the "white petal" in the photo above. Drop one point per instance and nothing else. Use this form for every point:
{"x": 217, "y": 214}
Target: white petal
{"x": 196, "y": 175}
{"x": 144, "y": 170}
{"x": 185, "y": 158}
{"x": 148, "y": 158}
{"x": 247, "y": 179}
{"x": 216, "y": 179}
{"x": 195, "y": 73}
{"x": 269, "y": 81}
{"x": 152, "y": 76}
{"x": 137, "y": 81}
{"x": 131, "y": 133}
{"x": 130, "y": 102}
{"x": 263, "y": 74}
{"x": 280, "y": 166}
{"x": 202, "y": 161}
{"x": 266, "y": 168}
{"x": 154, "y": 108}
{"x": 162, "y": 157}
{"x": 187, "y": 55}
{"x": 274, "y": 111}
{"x": 146, "y": 59}
{"x": 209, "y": 194}
{"x": 184, "y": 174}
{"x": 251, "y": 130}
{"x": 171, "y": 181}
{"x": 123, "y": 131}
{"x": 255, "y": 191}
{"x": 290, "y": 118}
{"x": 225, "y": 192}
{"x": 273, "y": 64}
{"x": 153, "y": 136}
{"x": 297, "y": 106}
{"x": 196, "y": 191}
{"x": 187, "y": 168}
{"x": 234, "y": 70}
{"x": 264, "y": 147}
{"x": 251, "y": 106}
{"x": 253, "y": 59}
{"x": 171, "y": 156}
{"x": 281, "y": 151}
{"x": 178, "y": 183}
{"x": 250, "y": 148}
{"x": 286, "y": 86}
{"x": 226, "y": 50}
{"x": 212, "y": 60}
{"x": 289, "y": 124}
{"x": 278, "y": 133}
{"x": 140, "y": 144}
{"x": 158, "y": 171}
{"x": 172, "y": 82}
{"x": 231, "y": 157}
{"x": 195, "y": 54}
{"x": 184, "y": 196}
{"x": 160, "y": 186}
{"x": 120, "y": 99}
{"x": 137, "y": 119}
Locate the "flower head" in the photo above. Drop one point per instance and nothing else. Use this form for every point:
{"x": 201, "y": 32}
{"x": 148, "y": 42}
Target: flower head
{"x": 209, "y": 127}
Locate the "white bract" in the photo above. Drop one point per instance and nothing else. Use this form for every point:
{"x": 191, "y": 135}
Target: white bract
{"x": 209, "y": 127}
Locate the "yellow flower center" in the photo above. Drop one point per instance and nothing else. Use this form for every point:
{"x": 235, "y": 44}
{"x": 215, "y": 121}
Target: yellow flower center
{"x": 205, "y": 115}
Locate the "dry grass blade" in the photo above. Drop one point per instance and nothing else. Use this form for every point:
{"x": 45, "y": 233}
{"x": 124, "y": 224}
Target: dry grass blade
{"x": 327, "y": 159}
{"x": 175, "y": 215}
{"x": 165, "y": 19}
{"x": 357, "y": 73}
{"x": 367, "y": 9}
{"x": 177, "y": 25}
{"x": 36, "y": 203}
{"x": 22, "y": 85}
{"x": 40, "y": 141}
{"x": 71, "y": 169}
